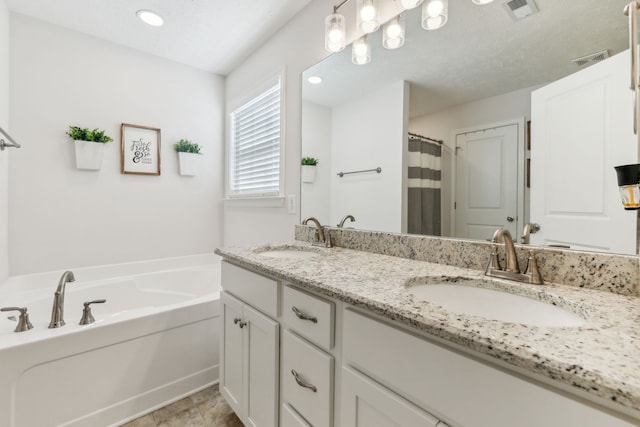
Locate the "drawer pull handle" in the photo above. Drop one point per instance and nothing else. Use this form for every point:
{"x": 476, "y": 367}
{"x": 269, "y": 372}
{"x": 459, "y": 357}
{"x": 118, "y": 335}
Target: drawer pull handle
{"x": 303, "y": 316}
{"x": 302, "y": 383}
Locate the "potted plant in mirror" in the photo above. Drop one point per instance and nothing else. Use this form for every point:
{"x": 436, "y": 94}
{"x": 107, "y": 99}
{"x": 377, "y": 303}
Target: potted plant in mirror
{"x": 89, "y": 146}
{"x": 309, "y": 169}
{"x": 189, "y": 157}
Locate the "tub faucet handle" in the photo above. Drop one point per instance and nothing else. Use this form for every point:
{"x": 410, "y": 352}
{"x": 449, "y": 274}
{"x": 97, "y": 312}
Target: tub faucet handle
{"x": 87, "y": 317}
{"x": 23, "y": 321}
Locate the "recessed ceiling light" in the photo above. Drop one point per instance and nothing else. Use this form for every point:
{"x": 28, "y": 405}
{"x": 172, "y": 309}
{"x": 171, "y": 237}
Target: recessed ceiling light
{"x": 315, "y": 80}
{"x": 481, "y": 2}
{"x": 150, "y": 18}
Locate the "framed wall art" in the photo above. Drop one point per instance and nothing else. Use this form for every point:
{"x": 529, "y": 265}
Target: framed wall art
{"x": 140, "y": 149}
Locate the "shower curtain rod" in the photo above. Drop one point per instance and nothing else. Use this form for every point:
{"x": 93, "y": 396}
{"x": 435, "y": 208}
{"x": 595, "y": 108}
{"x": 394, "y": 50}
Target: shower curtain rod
{"x": 3, "y": 144}
{"x": 426, "y": 138}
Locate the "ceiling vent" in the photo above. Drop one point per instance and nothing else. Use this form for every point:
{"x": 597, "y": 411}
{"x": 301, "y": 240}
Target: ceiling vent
{"x": 591, "y": 58}
{"x": 520, "y": 9}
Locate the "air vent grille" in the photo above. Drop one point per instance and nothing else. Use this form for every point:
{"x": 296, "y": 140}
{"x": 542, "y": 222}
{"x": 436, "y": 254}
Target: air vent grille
{"x": 591, "y": 58}
{"x": 520, "y": 9}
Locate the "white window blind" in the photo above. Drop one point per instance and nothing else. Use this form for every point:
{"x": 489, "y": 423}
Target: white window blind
{"x": 255, "y": 146}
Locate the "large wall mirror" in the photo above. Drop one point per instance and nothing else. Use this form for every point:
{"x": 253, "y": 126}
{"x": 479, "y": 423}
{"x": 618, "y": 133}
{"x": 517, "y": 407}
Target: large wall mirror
{"x": 465, "y": 94}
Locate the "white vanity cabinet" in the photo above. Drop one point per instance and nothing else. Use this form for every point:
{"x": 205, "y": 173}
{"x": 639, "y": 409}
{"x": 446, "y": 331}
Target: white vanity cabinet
{"x": 452, "y": 386}
{"x": 249, "y": 351}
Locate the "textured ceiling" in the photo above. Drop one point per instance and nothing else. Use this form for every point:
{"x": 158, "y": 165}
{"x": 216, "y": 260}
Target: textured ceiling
{"x": 213, "y": 35}
{"x": 481, "y": 52}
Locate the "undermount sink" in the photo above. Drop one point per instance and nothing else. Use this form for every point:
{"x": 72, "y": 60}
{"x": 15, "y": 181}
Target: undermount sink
{"x": 473, "y": 297}
{"x": 288, "y": 252}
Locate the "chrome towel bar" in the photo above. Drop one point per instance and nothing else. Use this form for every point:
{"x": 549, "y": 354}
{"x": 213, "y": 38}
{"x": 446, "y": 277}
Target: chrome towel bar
{"x": 341, "y": 174}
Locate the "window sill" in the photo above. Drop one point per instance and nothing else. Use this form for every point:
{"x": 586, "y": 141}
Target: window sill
{"x": 255, "y": 202}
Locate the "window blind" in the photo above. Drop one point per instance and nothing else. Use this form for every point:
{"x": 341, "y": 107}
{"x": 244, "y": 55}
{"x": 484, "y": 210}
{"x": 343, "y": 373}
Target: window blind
{"x": 255, "y": 141}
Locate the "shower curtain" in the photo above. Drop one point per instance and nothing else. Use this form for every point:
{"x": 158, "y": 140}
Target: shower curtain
{"x": 424, "y": 186}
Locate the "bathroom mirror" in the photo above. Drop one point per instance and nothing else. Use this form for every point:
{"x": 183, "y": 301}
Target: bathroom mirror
{"x": 476, "y": 73}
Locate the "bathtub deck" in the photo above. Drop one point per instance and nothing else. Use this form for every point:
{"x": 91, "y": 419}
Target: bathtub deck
{"x": 206, "y": 408}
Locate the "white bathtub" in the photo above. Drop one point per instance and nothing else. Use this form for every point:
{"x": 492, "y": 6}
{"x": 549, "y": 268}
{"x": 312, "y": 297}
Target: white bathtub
{"x": 154, "y": 341}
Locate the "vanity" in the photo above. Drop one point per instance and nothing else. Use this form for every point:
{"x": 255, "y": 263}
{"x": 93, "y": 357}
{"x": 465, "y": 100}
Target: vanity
{"x": 344, "y": 337}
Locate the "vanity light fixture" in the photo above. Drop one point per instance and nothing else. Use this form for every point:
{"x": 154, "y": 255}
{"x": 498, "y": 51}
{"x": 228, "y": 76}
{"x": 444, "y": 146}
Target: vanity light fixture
{"x": 334, "y": 31}
{"x": 434, "y": 14}
{"x": 315, "y": 80}
{"x": 150, "y": 18}
{"x": 393, "y": 33}
{"x": 367, "y": 15}
{"x": 361, "y": 51}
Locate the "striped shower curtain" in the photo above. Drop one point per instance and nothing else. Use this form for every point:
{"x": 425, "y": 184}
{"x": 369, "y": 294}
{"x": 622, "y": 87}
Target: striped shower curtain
{"x": 424, "y": 187}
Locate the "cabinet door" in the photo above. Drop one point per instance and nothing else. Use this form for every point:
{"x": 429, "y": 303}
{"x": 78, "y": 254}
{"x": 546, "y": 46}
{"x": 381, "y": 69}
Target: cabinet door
{"x": 262, "y": 357}
{"x": 231, "y": 378}
{"x": 366, "y": 403}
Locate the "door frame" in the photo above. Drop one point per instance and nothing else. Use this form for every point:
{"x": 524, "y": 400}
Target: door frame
{"x": 521, "y": 123}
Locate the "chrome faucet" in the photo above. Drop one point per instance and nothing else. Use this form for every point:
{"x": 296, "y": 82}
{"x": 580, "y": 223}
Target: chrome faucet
{"x": 344, "y": 218}
{"x": 512, "y": 270}
{"x": 320, "y": 238}
{"x": 57, "y": 313}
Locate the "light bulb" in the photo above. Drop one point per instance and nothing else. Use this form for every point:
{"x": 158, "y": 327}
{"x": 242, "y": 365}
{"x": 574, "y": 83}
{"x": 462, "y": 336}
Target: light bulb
{"x": 393, "y": 33}
{"x": 360, "y": 52}
{"x": 410, "y": 4}
{"x": 334, "y": 38}
{"x": 367, "y": 16}
{"x": 434, "y": 14}
{"x": 367, "y": 13}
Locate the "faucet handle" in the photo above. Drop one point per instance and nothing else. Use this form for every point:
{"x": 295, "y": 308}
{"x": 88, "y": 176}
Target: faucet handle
{"x": 23, "y": 321}
{"x": 532, "y": 270}
{"x": 87, "y": 316}
{"x": 494, "y": 262}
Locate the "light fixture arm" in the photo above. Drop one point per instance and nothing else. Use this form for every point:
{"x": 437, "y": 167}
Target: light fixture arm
{"x": 335, "y": 8}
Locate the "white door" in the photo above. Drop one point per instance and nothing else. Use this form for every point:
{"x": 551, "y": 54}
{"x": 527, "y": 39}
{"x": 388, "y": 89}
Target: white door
{"x": 581, "y": 127}
{"x": 487, "y": 182}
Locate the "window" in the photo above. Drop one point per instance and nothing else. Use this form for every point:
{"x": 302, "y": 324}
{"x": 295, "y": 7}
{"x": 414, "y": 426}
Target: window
{"x": 255, "y": 151}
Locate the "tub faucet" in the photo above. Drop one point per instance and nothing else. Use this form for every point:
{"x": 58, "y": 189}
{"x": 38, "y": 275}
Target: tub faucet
{"x": 57, "y": 313}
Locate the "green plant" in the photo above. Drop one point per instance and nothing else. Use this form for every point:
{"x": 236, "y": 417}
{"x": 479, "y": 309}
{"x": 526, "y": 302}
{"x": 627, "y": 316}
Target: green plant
{"x": 186, "y": 146}
{"x": 84, "y": 134}
{"x": 309, "y": 161}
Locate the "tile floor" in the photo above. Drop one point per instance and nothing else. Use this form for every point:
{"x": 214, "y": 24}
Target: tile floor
{"x": 206, "y": 408}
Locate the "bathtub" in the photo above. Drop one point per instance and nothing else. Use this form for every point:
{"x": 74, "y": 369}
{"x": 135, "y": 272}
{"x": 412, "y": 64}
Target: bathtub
{"x": 154, "y": 341}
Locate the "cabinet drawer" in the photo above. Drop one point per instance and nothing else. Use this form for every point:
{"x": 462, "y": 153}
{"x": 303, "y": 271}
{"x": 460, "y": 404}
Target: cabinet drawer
{"x": 367, "y": 404}
{"x": 290, "y": 418}
{"x": 254, "y": 289}
{"x": 313, "y": 367}
{"x": 310, "y": 316}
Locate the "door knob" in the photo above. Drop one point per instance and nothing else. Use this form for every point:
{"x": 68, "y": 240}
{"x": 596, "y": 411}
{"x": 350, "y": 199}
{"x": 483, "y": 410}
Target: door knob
{"x": 510, "y": 218}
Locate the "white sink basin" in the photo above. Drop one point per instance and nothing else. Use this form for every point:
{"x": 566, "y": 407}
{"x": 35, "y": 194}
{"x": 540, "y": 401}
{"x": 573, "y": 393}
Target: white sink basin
{"x": 289, "y": 252}
{"x": 495, "y": 305}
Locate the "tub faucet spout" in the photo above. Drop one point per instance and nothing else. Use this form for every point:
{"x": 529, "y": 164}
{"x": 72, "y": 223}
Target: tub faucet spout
{"x": 57, "y": 313}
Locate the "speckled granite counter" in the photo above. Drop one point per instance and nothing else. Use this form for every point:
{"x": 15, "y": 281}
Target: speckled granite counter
{"x": 601, "y": 357}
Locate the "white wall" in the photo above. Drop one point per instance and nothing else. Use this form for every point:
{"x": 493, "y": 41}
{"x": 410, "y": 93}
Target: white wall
{"x": 61, "y": 217}
{"x": 367, "y": 133}
{"x": 298, "y": 45}
{"x": 512, "y": 105}
{"x": 4, "y": 155}
{"x": 317, "y": 144}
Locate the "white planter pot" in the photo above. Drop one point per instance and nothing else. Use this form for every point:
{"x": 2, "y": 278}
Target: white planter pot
{"x": 89, "y": 154}
{"x": 308, "y": 173}
{"x": 189, "y": 163}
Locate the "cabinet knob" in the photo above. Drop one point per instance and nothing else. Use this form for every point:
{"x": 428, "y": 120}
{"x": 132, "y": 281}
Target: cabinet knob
{"x": 304, "y": 316}
{"x": 242, "y": 324}
{"x": 236, "y": 320}
{"x": 303, "y": 383}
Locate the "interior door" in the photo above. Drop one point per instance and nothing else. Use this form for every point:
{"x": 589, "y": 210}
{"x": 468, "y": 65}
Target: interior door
{"x": 581, "y": 127}
{"x": 487, "y": 164}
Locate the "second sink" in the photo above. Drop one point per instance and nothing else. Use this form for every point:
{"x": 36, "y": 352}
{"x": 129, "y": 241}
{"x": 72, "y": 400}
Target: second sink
{"x": 491, "y": 304}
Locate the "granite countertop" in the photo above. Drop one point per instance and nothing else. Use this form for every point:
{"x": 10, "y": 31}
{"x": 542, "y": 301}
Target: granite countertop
{"x": 601, "y": 357}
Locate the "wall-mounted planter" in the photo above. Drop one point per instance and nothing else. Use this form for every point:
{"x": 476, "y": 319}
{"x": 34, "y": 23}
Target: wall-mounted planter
{"x": 89, "y": 154}
{"x": 189, "y": 163}
{"x": 308, "y": 173}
